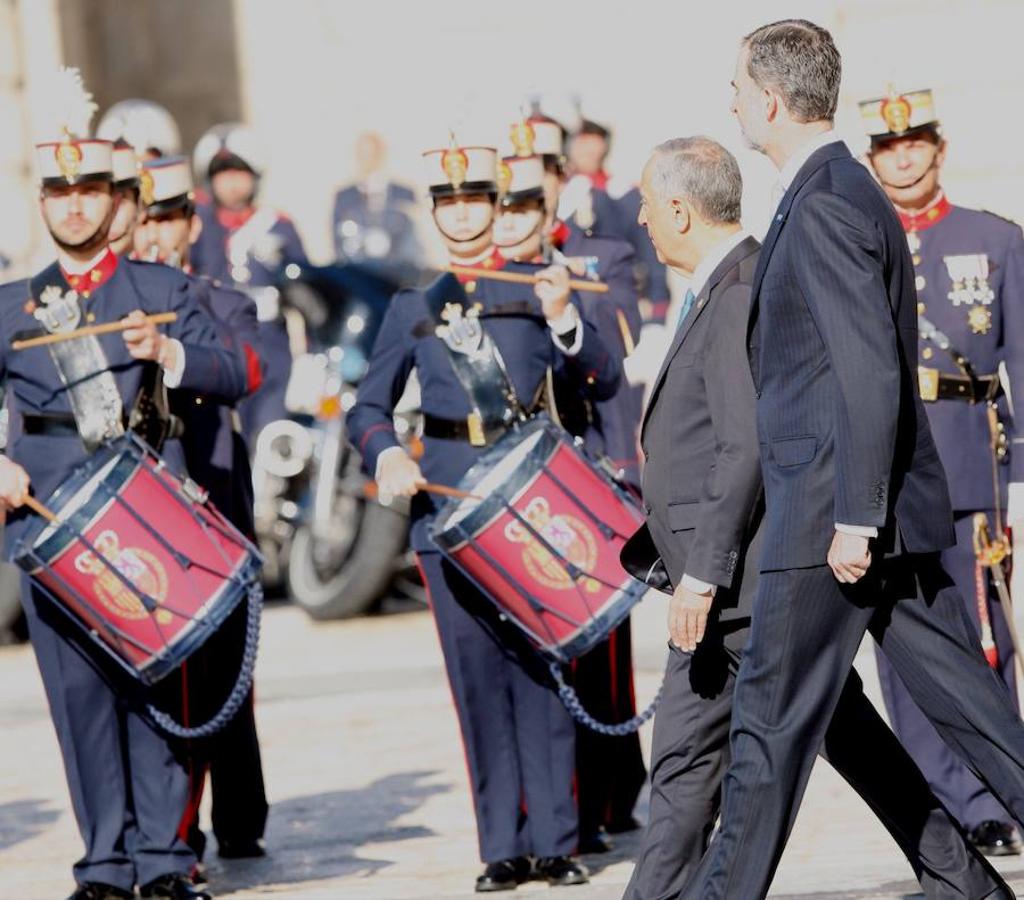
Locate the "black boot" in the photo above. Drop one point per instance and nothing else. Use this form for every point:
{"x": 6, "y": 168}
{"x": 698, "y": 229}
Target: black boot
{"x": 596, "y": 842}
{"x": 174, "y": 887}
{"x": 560, "y": 871}
{"x": 244, "y": 849}
{"x": 505, "y": 875}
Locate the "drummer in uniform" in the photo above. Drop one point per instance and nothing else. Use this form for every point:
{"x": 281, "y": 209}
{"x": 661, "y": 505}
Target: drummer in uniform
{"x": 127, "y": 779}
{"x": 250, "y": 246}
{"x": 970, "y": 285}
{"x": 597, "y": 203}
{"x": 518, "y": 737}
{"x": 610, "y": 770}
{"x": 218, "y": 459}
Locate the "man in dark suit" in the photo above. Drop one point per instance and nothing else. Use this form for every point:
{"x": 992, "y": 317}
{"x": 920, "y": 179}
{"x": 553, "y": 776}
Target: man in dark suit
{"x": 857, "y": 508}
{"x": 702, "y": 486}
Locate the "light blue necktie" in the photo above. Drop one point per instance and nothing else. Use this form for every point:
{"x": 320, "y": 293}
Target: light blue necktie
{"x": 685, "y": 308}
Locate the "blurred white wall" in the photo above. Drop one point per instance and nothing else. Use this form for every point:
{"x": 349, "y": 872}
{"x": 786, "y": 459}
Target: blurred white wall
{"x": 314, "y": 72}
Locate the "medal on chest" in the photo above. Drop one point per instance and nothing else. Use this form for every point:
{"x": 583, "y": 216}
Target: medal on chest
{"x": 968, "y": 274}
{"x": 461, "y": 330}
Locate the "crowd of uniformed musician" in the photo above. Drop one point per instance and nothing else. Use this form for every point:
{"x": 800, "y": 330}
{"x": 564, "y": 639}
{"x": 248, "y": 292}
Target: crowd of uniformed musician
{"x": 140, "y": 229}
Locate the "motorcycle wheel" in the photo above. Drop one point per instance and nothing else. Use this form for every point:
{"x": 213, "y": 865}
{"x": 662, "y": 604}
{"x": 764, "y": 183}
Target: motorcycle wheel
{"x": 356, "y": 586}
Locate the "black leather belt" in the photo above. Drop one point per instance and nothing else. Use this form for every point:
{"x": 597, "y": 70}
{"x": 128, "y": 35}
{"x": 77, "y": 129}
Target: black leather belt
{"x": 936, "y": 385}
{"x": 50, "y": 424}
{"x": 462, "y": 430}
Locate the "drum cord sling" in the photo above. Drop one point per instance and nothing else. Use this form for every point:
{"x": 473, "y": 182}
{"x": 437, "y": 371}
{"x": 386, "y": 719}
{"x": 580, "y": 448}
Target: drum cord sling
{"x": 243, "y": 683}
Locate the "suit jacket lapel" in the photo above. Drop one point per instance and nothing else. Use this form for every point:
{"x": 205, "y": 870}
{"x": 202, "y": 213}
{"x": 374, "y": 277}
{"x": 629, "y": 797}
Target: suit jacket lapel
{"x": 742, "y": 250}
{"x": 835, "y": 150}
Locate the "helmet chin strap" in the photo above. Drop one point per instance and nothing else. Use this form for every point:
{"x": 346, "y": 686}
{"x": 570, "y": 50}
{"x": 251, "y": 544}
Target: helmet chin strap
{"x": 934, "y": 164}
{"x": 468, "y": 240}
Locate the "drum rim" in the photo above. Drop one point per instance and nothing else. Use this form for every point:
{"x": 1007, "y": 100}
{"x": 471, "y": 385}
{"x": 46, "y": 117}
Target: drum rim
{"x": 68, "y": 531}
{"x": 451, "y": 538}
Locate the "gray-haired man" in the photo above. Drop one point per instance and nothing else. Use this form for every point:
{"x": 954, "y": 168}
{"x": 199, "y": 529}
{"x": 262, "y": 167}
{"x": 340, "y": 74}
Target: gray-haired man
{"x": 857, "y": 507}
{"x": 703, "y": 490}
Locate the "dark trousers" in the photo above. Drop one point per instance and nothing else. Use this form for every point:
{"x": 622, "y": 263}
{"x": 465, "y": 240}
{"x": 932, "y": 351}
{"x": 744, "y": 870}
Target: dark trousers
{"x": 690, "y": 755}
{"x": 805, "y": 633}
{"x": 517, "y": 736}
{"x": 954, "y": 783}
{"x": 231, "y": 757}
{"x": 128, "y": 781}
{"x": 609, "y": 770}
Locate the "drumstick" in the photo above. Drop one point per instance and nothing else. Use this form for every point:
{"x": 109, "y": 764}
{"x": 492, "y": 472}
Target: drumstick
{"x": 105, "y": 328}
{"x": 39, "y": 509}
{"x": 446, "y": 491}
{"x": 576, "y": 284}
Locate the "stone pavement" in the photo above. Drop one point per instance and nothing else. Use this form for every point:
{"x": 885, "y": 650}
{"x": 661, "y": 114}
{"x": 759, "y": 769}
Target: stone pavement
{"x": 367, "y": 784}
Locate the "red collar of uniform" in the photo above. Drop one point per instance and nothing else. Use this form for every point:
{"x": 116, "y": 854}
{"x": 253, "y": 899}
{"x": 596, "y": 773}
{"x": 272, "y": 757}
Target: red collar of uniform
{"x": 96, "y": 277}
{"x": 931, "y": 215}
{"x": 599, "y": 180}
{"x": 233, "y": 219}
{"x": 494, "y": 261}
{"x": 559, "y": 234}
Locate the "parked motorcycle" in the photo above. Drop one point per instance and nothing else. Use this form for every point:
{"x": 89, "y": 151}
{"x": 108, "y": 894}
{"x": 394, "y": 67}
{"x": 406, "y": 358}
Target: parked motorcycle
{"x": 334, "y": 545}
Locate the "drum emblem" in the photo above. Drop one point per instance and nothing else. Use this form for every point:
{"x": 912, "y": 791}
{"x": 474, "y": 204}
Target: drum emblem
{"x": 139, "y": 567}
{"x": 568, "y": 536}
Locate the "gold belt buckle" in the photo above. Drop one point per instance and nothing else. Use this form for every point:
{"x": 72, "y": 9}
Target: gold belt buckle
{"x": 928, "y": 380}
{"x": 475, "y": 426}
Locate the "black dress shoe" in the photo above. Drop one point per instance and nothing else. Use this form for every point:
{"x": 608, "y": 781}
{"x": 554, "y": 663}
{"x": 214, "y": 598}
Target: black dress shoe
{"x": 174, "y": 887}
{"x": 560, "y": 871}
{"x": 95, "y": 890}
{"x": 996, "y": 839}
{"x": 505, "y": 875}
{"x": 252, "y": 849}
{"x": 596, "y": 842}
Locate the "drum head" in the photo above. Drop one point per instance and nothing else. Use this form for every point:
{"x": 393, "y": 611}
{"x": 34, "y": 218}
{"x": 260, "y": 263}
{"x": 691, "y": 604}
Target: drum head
{"x": 495, "y": 478}
{"x": 80, "y": 499}
{"x": 498, "y": 477}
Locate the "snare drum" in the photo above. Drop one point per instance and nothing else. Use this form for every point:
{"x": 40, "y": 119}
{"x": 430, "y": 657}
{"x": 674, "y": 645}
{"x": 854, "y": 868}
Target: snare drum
{"x": 139, "y": 559}
{"x": 543, "y": 542}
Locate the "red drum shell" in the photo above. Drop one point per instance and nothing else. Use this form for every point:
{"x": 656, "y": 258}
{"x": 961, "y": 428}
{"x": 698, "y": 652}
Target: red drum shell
{"x": 565, "y": 604}
{"x": 141, "y": 564}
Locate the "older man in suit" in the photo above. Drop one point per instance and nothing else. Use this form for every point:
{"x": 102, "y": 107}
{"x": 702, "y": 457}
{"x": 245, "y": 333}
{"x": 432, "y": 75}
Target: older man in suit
{"x": 702, "y": 484}
{"x": 857, "y": 508}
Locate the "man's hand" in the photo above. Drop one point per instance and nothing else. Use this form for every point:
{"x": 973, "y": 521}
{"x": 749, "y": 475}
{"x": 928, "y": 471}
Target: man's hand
{"x": 144, "y": 341}
{"x": 400, "y": 476}
{"x": 849, "y": 557}
{"x": 14, "y": 484}
{"x": 688, "y": 617}
{"x": 553, "y": 291}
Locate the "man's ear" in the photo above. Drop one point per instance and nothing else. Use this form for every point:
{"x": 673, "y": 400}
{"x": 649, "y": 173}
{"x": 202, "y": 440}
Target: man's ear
{"x": 772, "y": 104}
{"x": 940, "y": 154}
{"x": 195, "y": 228}
{"x": 680, "y": 215}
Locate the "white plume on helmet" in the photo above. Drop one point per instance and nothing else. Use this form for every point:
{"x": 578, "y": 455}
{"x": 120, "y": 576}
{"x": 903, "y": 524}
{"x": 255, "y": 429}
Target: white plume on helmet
{"x": 237, "y": 139}
{"x": 64, "y": 108}
{"x": 143, "y": 124}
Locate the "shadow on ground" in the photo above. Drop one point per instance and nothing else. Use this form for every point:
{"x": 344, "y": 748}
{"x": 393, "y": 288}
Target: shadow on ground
{"x": 24, "y": 819}
{"x": 318, "y": 836}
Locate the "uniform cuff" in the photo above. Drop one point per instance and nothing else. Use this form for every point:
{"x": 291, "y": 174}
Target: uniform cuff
{"x": 567, "y": 331}
{"x": 173, "y": 375}
{"x": 698, "y": 586}
{"x": 868, "y": 531}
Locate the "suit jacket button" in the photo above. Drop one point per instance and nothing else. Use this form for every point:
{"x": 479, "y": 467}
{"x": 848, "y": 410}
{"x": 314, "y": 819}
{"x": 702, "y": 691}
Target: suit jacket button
{"x": 647, "y": 455}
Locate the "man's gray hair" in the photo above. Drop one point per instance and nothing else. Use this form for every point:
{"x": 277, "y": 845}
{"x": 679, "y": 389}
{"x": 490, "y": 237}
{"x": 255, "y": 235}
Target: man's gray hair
{"x": 703, "y": 172}
{"x": 799, "y": 60}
